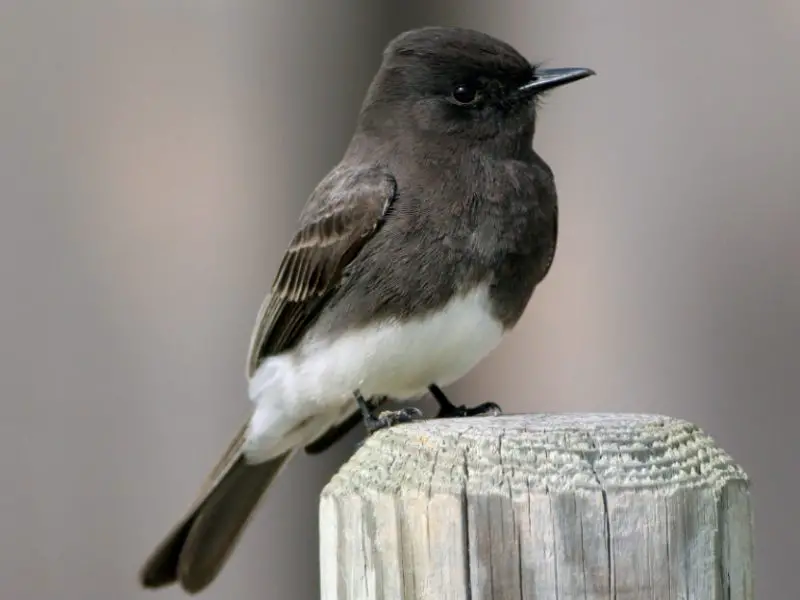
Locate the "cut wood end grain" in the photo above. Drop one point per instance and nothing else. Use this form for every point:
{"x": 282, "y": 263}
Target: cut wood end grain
{"x": 538, "y": 506}
{"x": 517, "y": 454}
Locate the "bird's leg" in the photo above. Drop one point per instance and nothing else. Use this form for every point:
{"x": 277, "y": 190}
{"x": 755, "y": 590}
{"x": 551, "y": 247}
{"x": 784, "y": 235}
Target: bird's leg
{"x": 337, "y": 432}
{"x": 447, "y": 409}
{"x": 385, "y": 419}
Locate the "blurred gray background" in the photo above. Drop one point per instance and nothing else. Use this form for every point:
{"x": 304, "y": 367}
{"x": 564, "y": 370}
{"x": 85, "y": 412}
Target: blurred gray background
{"x": 153, "y": 159}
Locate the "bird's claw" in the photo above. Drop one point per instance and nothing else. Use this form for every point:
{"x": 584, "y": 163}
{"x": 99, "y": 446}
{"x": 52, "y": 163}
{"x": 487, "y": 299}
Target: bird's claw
{"x": 389, "y": 418}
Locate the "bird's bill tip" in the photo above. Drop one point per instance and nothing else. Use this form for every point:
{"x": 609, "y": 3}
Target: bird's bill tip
{"x": 545, "y": 79}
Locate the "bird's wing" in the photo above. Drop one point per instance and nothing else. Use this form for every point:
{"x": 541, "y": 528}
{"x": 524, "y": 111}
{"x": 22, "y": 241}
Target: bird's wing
{"x": 343, "y": 213}
{"x": 345, "y": 210}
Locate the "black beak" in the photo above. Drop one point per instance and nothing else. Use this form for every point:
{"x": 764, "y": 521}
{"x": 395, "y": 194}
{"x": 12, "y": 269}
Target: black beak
{"x": 545, "y": 79}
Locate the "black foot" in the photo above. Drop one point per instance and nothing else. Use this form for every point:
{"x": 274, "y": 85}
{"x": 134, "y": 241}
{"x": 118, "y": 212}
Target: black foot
{"x": 387, "y": 418}
{"x": 336, "y": 433}
{"x": 448, "y": 410}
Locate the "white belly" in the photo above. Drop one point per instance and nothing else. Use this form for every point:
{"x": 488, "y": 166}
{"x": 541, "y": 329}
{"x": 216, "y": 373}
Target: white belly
{"x": 401, "y": 360}
{"x": 394, "y": 359}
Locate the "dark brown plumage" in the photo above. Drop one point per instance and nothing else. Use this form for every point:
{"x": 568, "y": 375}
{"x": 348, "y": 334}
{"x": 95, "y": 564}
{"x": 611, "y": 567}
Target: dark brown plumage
{"x": 438, "y": 193}
{"x": 345, "y": 210}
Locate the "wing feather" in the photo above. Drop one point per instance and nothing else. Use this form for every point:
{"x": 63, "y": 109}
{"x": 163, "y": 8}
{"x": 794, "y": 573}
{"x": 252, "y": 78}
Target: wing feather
{"x": 342, "y": 214}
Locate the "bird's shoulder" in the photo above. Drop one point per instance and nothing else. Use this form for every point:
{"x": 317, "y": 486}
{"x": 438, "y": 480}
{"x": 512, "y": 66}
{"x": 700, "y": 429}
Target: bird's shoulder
{"x": 350, "y": 193}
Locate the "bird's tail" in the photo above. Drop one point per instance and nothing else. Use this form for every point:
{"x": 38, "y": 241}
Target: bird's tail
{"x": 196, "y": 549}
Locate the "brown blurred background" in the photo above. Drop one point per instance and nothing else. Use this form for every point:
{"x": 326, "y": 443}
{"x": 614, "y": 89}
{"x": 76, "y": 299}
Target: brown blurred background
{"x": 153, "y": 159}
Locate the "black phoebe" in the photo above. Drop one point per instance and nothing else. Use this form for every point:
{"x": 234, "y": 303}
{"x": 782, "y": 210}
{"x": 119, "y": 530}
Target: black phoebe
{"x": 413, "y": 257}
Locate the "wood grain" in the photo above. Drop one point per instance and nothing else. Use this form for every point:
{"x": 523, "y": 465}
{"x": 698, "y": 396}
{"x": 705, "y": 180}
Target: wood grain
{"x": 529, "y": 507}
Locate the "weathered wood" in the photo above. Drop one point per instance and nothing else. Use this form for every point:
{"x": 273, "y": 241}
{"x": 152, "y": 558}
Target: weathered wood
{"x": 538, "y": 507}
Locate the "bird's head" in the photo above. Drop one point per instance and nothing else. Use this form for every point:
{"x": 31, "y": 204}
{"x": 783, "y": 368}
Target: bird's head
{"x": 459, "y": 82}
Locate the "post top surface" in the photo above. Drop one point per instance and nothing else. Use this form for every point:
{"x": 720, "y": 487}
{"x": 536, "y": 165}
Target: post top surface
{"x": 523, "y": 454}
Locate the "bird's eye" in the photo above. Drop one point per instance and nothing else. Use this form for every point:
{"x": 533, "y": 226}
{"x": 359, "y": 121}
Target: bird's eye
{"x": 464, "y": 94}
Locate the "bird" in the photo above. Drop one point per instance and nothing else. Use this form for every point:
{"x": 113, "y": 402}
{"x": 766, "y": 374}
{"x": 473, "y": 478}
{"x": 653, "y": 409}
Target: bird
{"x": 412, "y": 259}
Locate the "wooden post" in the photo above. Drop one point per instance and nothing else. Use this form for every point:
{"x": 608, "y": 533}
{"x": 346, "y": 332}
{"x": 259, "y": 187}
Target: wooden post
{"x": 534, "y": 507}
